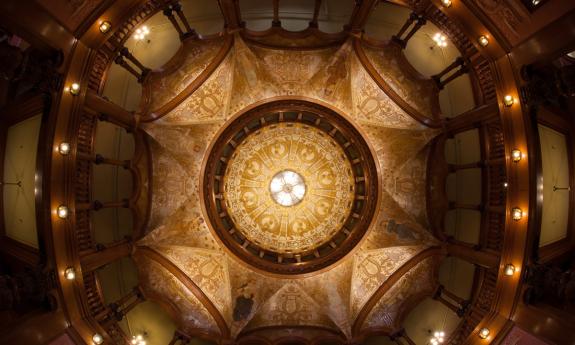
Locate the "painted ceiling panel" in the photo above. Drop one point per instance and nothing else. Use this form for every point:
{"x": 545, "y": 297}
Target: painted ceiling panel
{"x": 194, "y": 316}
{"x": 418, "y": 282}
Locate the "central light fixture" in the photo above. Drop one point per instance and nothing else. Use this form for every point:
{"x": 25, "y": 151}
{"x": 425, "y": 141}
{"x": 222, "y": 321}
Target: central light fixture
{"x": 141, "y": 33}
{"x": 287, "y": 188}
{"x": 440, "y": 40}
{"x": 438, "y": 338}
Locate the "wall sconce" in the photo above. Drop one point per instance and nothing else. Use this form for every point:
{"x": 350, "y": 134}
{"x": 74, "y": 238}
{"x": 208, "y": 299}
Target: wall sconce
{"x": 508, "y": 100}
{"x": 70, "y": 273}
{"x": 516, "y": 155}
{"x": 483, "y": 40}
{"x": 74, "y": 89}
{"x": 97, "y": 339}
{"x": 484, "y": 333}
{"x": 516, "y": 213}
{"x": 105, "y": 26}
{"x": 509, "y": 270}
{"x": 62, "y": 212}
{"x": 446, "y": 3}
{"x": 64, "y": 148}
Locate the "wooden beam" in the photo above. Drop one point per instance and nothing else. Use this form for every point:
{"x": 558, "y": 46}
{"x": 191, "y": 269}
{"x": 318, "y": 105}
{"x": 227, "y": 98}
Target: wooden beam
{"x": 470, "y": 254}
{"x": 98, "y": 258}
{"x": 473, "y": 118}
{"x": 110, "y": 111}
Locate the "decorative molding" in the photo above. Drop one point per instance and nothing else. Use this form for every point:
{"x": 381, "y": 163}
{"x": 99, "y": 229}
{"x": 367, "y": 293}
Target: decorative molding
{"x": 380, "y": 292}
{"x": 193, "y": 86}
{"x": 385, "y": 87}
{"x": 189, "y": 283}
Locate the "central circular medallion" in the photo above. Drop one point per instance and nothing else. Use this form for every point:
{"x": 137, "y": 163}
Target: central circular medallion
{"x": 290, "y": 187}
{"x": 287, "y": 188}
{"x": 268, "y": 207}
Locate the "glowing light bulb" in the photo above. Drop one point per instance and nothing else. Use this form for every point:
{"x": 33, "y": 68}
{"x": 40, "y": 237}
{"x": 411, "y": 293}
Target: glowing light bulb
{"x": 508, "y": 100}
{"x": 516, "y": 213}
{"x": 73, "y": 89}
{"x": 446, "y": 3}
{"x": 484, "y": 333}
{"x": 483, "y": 40}
{"x": 62, "y": 212}
{"x": 141, "y": 33}
{"x": 70, "y": 273}
{"x": 509, "y": 270}
{"x": 64, "y": 148}
{"x": 516, "y": 155}
{"x": 440, "y": 39}
{"x": 105, "y": 26}
{"x": 97, "y": 339}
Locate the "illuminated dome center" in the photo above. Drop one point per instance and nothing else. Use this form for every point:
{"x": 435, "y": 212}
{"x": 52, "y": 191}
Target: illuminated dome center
{"x": 290, "y": 192}
{"x": 287, "y": 188}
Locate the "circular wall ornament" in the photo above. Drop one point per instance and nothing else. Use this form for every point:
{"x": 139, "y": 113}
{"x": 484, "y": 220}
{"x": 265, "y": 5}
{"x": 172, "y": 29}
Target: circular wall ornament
{"x": 290, "y": 187}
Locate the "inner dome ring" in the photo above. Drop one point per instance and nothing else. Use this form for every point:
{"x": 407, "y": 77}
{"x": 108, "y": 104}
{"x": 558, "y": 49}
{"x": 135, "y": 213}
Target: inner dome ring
{"x": 358, "y": 187}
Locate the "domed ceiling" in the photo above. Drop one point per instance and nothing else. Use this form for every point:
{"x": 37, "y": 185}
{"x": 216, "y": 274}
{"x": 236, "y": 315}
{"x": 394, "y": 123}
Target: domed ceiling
{"x": 289, "y": 188}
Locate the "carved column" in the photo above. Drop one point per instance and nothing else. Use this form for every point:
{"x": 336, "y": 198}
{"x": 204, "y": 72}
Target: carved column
{"x": 419, "y": 22}
{"x": 360, "y": 14}
{"x": 117, "y": 310}
{"x": 316, "y": 8}
{"x": 189, "y": 31}
{"x": 168, "y": 12}
{"x": 463, "y": 68}
{"x": 452, "y": 301}
{"x": 110, "y": 112}
{"x": 125, "y": 53}
{"x": 185, "y": 32}
{"x": 105, "y": 254}
{"x": 276, "y": 21}
{"x": 231, "y": 12}
{"x": 472, "y": 254}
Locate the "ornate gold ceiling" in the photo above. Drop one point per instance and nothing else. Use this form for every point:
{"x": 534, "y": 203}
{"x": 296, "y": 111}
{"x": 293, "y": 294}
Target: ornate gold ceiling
{"x": 288, "y": 188}
{"x": 203, "y": 156}
{"x": 264, "y": 220}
